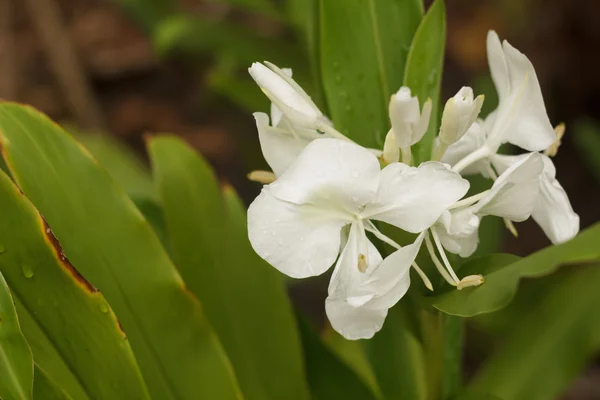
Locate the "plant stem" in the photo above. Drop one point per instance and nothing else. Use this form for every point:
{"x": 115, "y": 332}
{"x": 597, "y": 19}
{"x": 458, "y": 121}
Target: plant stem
{"x": 452, "y": 362}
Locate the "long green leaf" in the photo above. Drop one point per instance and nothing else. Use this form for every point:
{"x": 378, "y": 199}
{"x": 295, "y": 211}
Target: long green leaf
{"x": 503, "y": 272}
{"x": 243, "y": 296}
{"x": 72, "y": 312}
{"x": 16, "y": 361}
{"x": 329, "y": 377}
{"x": 554, "y": 340}
{"x": 397, "y": 356}
{"x": 363, "y": 51}
{"x": 47, "y": 356}
{"x": 423, "y": 72}
{"x": 104, "y": 234}
{"x": 45, "y": 389}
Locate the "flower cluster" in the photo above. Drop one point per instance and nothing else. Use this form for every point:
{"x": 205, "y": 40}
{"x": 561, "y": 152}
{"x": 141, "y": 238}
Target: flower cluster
{"x": 325, "y": 192}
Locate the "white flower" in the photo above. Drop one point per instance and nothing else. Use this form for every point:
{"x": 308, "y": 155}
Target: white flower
{"x": 459, "y": 114}
{"x": 409, "y": 123}
{"x": 521, "y": 117}
{"x": 513, "y": 196}
{"x": 287, "y": 96}
{"x": 332, "y": 191}
{"x": 552, "y": 211}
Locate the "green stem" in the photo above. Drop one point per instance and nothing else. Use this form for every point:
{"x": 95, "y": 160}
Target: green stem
{"x": 452, "y": 362}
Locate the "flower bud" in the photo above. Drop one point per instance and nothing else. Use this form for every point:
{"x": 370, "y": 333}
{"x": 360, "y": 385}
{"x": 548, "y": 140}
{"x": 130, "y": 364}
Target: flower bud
{"x": 408, "y": 123}
{"x": 459, "y": 114}
{"x": 391, "y": 151}
{"x": 286, "y": 95}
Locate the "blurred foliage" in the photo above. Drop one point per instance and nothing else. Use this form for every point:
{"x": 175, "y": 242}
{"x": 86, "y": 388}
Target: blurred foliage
{"x": 204, "y": 316}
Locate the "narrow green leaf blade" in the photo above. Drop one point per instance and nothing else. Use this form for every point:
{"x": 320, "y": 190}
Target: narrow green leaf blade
{"x": 74, "y": 315}
{"x": 423, "y": 72}
{"x": 363, "y": 50}
{"x": 502, "y": 273}
{"x": 45, "y": 389}
{"x": 328, "y": 376}
{"x": 16, "y": 361}
{"x": 398, "y": 357}
{"x": 104, "y": 234}
{"x": 554, "y": 340}
{"x": 243, "y": 296}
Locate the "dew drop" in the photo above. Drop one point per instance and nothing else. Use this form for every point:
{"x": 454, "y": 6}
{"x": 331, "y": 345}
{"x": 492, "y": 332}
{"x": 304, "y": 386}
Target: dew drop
{"x": 280, "y": 242}
{"x": 336, "y": 65}
{"x": 338, "y": 79}
{"x": 27, "y": 271}
{"x": 354, "y": 173}
{"x": 103, "y": 308}
{"x": 354, "y": 199}
{"x": 273, "y": 233}
{"x": 2, "y": 249}
{"x": 348, "y": 108}
{"x": 48, "y": 230}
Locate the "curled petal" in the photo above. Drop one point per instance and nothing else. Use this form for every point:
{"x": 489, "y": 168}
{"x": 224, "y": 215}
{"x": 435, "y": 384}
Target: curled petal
{"x": 414, "y": 198}
{"x": 553, "y": 211}
{"x": 354, "y": 322}
{"x": 281, "y": 147}
{"x": 300, "y": 241}
{"x": 330, "y": 173}
{"x": 458, "y": 231}
{"x": 514, "y": 193}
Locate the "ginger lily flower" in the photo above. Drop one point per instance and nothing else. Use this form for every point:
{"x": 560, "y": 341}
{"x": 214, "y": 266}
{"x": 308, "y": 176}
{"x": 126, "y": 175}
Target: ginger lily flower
{"x": 459, "y": 114}
{"x": 409, "y": 123}
{"x": 521, "y": 117}
{"x": 552, "y": 210}
{"x": 298, "y": 223}
{"x": 513, "y": 196}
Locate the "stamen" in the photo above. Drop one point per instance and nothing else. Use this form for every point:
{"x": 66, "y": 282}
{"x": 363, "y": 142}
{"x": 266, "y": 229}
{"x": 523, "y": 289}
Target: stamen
{"x": 471, "y": 158}
{"x": 424, "y": 277}
{"x": 362, "y": 263}
{"x": 440, "y": 248}
{"x": 553, "y": 149}
{"x": 469, "y": 281}
{"x": 469, "y": 200}
{"x": 264, "y": 177}
{"x": 437, "y": 262}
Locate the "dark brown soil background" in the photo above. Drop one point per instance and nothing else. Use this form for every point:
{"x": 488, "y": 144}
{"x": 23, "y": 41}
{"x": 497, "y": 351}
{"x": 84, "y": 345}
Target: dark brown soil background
{"x": 129, "y": 91}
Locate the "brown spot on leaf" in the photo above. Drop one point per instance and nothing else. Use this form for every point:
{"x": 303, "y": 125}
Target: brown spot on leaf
{"x": 60, "y": 255}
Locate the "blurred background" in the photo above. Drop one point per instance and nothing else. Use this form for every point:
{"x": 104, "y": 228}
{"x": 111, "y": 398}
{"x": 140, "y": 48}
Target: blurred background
{"x": 126, "y": 68}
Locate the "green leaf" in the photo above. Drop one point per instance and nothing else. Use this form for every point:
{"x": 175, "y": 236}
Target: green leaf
{"x": 502, "y": 274}
{"x": 363, "y": 51}
{"x": 555, "y": 340}
{"x": 45, "y": 389}
{"x": 47, "y": 356}
{"x": 423, "y": 72}
{"x": 106, "y": 237}
{"x": 397, "y": 356}
{"x": 71, "y": 312}
{"x": 16, "y": 361}
{"x": 354, "y": 355}
{"x": 587, "y": 140}
{"x": 328, "y": 376}
{"x": 243, "y": 296}
{"x": 122, "y": 165}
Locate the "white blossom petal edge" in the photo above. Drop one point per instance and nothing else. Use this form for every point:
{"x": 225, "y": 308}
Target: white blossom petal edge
{"x": 296, "y": 224}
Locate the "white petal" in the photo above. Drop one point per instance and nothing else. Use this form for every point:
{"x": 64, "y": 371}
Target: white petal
{"x": 420, "y": 128}
{"x": 414, "y": 198}
{"x": 468, "y": 143}
{"x": 458, "y": 231}
{"x": 514, "y": 193}
{"x": 497, "y": 62}
{"x": 330, "y": 172}
{"x": 291, "y": 100}
{"x": 362, "y": 314}
{"x": 300, "y": 241}
{"x": 347, "y": 281}
{"x": 351, "y": 322}
{"x": 404, "y": 115}
{"x": 280, "y": 147}
{"x": 521, "y": 116}
{"x": 460, "y": 112}
{"x": 553, "y": 211}
{"x": 276, "y": 115}
{"x": 391, "y": 279}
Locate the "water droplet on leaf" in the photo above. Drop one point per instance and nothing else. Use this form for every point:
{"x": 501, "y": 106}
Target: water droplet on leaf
{"x": 2, "y": 249}
{"x": 103, "y": 308}
{"x": 27, "y": 271}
